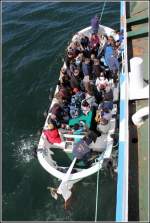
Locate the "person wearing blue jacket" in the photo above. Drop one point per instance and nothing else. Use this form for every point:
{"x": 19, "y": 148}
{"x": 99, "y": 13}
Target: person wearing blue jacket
{"x": 110, "y": 58}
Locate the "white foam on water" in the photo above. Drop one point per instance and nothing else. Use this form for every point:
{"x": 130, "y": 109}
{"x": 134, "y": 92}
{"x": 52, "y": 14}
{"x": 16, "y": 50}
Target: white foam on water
{"x": 24, "y": 150}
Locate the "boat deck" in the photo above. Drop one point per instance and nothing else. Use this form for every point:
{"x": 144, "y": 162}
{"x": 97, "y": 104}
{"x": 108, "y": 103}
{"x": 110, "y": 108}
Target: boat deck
{"x": 138, "y": 141}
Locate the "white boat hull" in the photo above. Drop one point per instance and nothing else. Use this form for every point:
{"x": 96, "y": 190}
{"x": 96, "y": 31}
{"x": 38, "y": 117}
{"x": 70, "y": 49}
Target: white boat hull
{"x": 45, "y": 155}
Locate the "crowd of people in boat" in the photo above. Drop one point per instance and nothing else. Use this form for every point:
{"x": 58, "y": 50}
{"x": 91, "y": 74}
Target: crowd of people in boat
{"x": 90, "y": 67}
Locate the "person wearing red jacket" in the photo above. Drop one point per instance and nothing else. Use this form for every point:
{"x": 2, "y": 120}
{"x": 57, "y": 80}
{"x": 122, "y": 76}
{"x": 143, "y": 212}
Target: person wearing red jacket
{"x": 52, "y": 134}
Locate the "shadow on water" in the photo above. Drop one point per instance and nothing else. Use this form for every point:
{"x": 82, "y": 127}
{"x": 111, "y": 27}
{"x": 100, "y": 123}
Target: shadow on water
{"x": 133, "y": 201}
{"x": 85, "y": 195}
{"x": 133, "y": 167}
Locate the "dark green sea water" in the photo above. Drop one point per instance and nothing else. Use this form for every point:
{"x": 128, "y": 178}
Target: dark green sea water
{"x": 34, "y": 38}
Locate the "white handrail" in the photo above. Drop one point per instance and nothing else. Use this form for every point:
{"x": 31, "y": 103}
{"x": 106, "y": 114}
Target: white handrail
{"x": 123, "y": 157}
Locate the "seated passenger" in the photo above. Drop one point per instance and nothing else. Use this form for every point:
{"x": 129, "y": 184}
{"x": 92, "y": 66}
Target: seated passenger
{"x": 56, "y": 109}
{"x": 106, "y": 104}
{"x": 74, "y": 108}
{"x": 74, "y": 48}
{"x": 79, "y": 59}
{"x": 63, "y": 72}
{"x": 119, "y": 36}
{"x": 86, "y": 67}
{"x": 84, "y": 42}
{"x": 102, "y": 118}
{"x": 101, "y": 82}
{"x": 106, "y": 113}
{"x": 64, "y": 78}
{"x": 111, "y": 59}
{"x": 86, "y": 81}
{"x": 71, "y": 54}
{"x": 75, "y": 79}
{"x": 78, "y": 96}
{"x": 65, "y": 91}
{"x": 75, "y": 105}
{"x": 107, "y": 94}
{"x": 94, "y": 43}
{"x": 96, "y": 68}
{"x": 65, "y": 81}
{"x": 52, "y": 134}
{"x": 111, "y": 41}
{"x": 56, "y": 115}
{"x": 57, "y": 100}
{"x": 118, "y": 50}
{"x": 72, "y": 66}
{"x": 66, "y": 117}
{"x": 90, "y": 95}
{"x": 85, "y": 107}
{"x": 92, "y": 58}
{"x": 79, "y": 129}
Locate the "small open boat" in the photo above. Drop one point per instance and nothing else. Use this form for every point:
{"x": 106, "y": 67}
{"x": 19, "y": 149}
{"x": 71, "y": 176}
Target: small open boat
{"x": 103, "y": 145}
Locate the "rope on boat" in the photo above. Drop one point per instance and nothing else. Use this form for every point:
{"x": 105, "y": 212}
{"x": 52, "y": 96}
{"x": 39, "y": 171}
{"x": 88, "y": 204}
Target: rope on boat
{"x": 97, "y": 190}
{"x": 102, "y": 11}
{"x": 97, "y": 187}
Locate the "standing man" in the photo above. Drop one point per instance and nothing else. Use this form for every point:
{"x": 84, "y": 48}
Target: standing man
{"x": 81, "y": 148}
{"x": 95, "y": 24}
